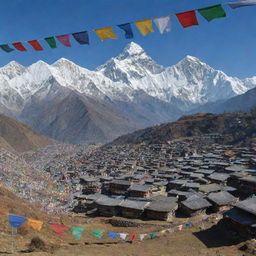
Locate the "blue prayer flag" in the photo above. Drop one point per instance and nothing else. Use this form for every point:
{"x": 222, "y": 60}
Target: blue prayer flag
{"x": 16, "y": 221}
{"x": 128, "y": 30}
{"x": 188, "y": 225}
{"x": 81, "y": 37}
{"x": 112, "y": 235}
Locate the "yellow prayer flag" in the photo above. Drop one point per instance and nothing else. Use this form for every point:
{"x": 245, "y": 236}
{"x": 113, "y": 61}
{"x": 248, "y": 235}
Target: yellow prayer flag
{"x": 163, "y": 231}
{"x": 104, "y": 33}
{"x": 145, "y": 26}
{"x": 35, "y": 224}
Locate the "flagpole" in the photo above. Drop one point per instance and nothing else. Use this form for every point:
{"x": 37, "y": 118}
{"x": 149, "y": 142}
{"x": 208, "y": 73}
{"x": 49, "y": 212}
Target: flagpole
{"x": 13, "y": 241}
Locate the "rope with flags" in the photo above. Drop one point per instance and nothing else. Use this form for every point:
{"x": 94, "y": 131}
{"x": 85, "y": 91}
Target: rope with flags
{"x": 145, "y": 27}
{"x": 77, "y": 232}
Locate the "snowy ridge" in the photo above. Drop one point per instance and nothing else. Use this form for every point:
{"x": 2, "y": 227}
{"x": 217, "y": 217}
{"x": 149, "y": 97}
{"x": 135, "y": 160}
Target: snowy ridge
{"x": 187, "y": 84}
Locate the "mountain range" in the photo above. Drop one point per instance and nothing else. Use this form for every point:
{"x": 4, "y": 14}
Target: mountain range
{"x": 131, "y": 91}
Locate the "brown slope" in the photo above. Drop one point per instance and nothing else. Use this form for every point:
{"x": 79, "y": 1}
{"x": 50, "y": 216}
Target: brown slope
{"x": 19, "y": 137}
{"x": 83, "y": 120}
{"x": 239, "y": 126}
{"x": 10, "y": 203}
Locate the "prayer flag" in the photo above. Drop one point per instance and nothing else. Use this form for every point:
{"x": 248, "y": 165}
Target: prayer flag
{"x": 163, "y": 231}
{"x": 188, "y": 225}
{"x": 97, "y": 233}
{"x": 123, "y": 235}
{"x": 153, "y": 235}
{"x": 64, "y": 40}
{"x": 187, "y": 19}
{"x": 51, "y": 42}
{"x": 145, "y": 26}
{"x": 19, "y": 46}
{"x": 132, "y": 236}
{"x": 35, "y": 224}
{"x": 36, "y": 45}
{"x": 243, "y": 3}
{"x": 16, "y": 221}
{"x": 163, "y": 24}
{"x": 6, "y": 48}
{"x": 142, "y": 237}
{"x": 81, "y": 37}
{"x": 212, "y": 12}
{"x": 104, "y": 33}
{"x": 59, "y": 228}
{"x": 112, "y": 235}
{"x": 77, "y": 232}
{"x": 127, "y": 29}
{"x": 170, "y": 230}
{"x": 180, "y": 227}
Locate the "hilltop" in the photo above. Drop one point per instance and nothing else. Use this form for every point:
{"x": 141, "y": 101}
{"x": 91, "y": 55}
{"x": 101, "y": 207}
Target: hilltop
{"x": 16, "y": 136}
{"x": 236, "y": 127}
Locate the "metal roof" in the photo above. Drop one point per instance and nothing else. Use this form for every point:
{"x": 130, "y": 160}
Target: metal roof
{"x": 222, "y": 198}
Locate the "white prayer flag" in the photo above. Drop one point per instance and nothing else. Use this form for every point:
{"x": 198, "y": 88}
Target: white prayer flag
{"x": 180, "y": 227}
{"x": 142, "y": 236}
{"x": 242, "y": 3}
{"x": 170, "y": 230}
{"x": 163, "y": 24}
{"x": 123, "y": 235}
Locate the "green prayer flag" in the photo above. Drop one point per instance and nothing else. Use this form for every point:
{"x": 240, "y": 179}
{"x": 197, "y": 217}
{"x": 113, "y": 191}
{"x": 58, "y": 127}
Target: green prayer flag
{"x": 153, "y": 235}
{"x": 212, "y": 12}
{"x": 77, "y": 232}
{"x": 51, "y": 42}
{"x": 97, "y": 233}
{"x": 6, "y": 48}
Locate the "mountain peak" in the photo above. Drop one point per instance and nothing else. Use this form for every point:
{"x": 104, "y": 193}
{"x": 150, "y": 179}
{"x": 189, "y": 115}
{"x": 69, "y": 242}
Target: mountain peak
{"x": 132, "y": 50}
{"x": 132, "y": 64}
{"x": 39, "y": 63}
{"x": 62, "y": 61}
{"x": 13, "y": 64}
{"x": 189, "y": 62}
{"x": 190, "y": 58}
{"x": 12, "y": 69}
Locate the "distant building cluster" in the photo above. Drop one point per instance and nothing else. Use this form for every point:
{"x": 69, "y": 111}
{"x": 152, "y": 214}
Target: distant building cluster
{"x": 185, "y": 177}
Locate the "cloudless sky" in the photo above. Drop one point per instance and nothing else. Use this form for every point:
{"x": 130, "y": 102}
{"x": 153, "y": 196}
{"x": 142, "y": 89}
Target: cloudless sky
{"x": 228, "y": 44}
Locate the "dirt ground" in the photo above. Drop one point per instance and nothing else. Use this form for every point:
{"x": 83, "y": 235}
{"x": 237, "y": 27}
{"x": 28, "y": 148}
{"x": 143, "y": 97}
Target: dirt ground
{"x": 215, "y": 240}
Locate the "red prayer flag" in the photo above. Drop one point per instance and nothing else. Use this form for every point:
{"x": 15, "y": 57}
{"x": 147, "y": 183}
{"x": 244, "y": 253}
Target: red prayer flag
{"x": 132, "y": 236}
{"x": 187, "y": 19}
{"x": 64, "y": 39}
{"x": 19, "y": 46}
{"x": 35, "y": 44}
{"x": 59, "y": 228}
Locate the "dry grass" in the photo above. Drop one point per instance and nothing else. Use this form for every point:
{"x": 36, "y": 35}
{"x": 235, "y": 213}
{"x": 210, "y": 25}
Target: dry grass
{"x": 216, "y": 240}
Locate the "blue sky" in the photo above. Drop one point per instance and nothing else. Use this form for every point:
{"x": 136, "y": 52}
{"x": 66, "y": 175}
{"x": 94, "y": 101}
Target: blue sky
{"x": 228, "y": 44}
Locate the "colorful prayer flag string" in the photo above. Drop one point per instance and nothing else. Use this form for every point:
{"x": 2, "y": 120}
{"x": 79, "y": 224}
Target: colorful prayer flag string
{"x": 186, "y": 19}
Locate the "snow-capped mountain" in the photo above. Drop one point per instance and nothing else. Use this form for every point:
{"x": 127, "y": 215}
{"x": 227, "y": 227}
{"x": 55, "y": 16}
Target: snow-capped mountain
{"x": 129, "y": 91}
{"x": 131, "y": 65}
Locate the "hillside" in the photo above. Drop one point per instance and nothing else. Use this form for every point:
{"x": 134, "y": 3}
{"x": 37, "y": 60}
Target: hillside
{"x": 15, "y": 136}
{"x": 238, "y": 126}
{"x": 10, "y": 203}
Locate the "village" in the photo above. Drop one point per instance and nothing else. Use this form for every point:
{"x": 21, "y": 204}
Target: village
{"x": 181, "y": 178}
